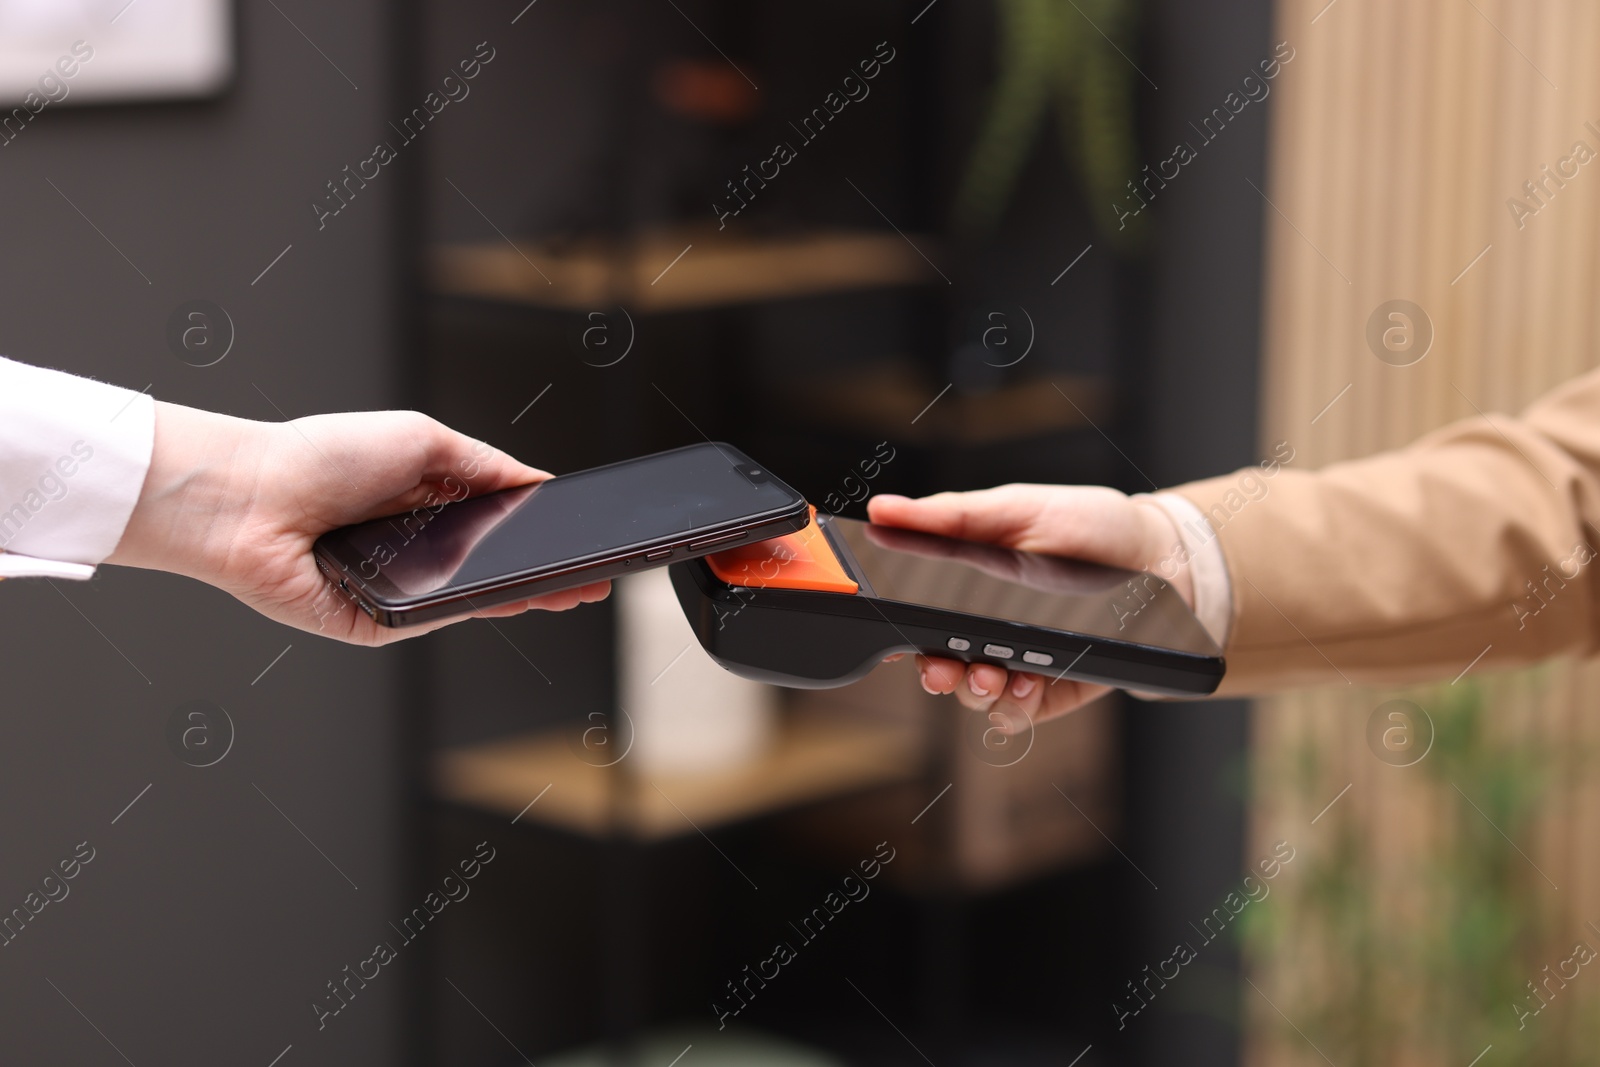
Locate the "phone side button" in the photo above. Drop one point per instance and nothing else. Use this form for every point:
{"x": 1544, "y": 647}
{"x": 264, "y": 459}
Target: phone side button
{"x": 999, "y": 651}
{"x": 1038, "y": 659}
{"x": 695, "y": 546}
{"x": 958, "y": 644}
{"x": 663, "y": 553}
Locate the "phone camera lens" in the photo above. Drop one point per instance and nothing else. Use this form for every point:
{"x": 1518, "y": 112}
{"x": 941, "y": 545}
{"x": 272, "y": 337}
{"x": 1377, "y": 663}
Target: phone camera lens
{"x": 755, "y": 475}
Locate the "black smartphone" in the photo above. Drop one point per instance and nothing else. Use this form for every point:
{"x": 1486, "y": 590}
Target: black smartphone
{"x": 822, "y": 607}
{"x": 571, "y": 530}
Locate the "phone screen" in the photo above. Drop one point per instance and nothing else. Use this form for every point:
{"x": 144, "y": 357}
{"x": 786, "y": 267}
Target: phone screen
{"x": 563, "y": 522}
{"x": 1027, "y": 587}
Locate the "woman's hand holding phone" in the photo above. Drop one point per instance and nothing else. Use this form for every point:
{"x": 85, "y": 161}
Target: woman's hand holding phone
{"x": 1092, "y": 523}
{"x": 238, "y": 504}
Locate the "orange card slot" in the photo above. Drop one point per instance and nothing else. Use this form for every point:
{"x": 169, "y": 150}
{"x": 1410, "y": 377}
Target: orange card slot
{"x": 800, "y": 560}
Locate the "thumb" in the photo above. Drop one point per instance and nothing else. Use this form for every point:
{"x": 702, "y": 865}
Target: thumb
{"x": 1087, "y": 522}
{"x": 1002, "y": 515}
{"x": 483, "y": 467}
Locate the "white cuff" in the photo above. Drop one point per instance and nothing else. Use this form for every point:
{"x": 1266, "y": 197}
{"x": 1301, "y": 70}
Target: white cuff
{"x": 16, "y": 565}
{"x": 73, "y": 457}
{"x": 1208, "y": 569}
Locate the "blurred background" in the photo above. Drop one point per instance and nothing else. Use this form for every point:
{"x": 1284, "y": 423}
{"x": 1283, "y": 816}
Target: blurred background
{"x": 896, "y": 247}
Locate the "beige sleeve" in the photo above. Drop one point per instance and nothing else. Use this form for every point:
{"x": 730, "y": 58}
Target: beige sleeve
{"x": 1476, "y": 541}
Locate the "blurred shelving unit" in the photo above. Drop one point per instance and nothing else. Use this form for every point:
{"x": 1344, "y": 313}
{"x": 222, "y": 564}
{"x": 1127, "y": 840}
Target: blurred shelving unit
{"x": 862, "y": 400}
{"x": 664, "y": 1047}
{"x": 986, "y": 811}
{"x": 811, "y": 760}
{"x": 805, "y": 331}
{"x": 863, "y": 749}
{"x": 676, "y": 269}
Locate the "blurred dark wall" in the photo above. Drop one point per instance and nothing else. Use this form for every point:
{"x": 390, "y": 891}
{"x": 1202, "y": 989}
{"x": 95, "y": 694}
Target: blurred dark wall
{"x": 1196, "y": 412}
{"x": 207, "y": 923}
{"x": 559, "y": 142}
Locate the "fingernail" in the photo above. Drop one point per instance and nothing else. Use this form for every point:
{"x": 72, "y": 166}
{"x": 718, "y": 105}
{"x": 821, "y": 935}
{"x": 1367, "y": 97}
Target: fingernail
{"x": 972, "y": 683}
{"x": 928, "y": 688}
{"x": 1022, "y": 685}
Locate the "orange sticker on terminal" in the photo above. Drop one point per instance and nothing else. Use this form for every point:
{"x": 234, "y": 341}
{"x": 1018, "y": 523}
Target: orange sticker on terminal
{"x": 800, "y": 560}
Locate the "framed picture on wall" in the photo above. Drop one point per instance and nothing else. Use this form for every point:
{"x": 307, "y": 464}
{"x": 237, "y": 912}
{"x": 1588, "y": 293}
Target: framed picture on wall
{"x": 63, "y": 52}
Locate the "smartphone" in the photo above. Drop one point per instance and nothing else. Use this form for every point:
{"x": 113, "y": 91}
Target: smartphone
{"x": 571, "y": 530}
{"x": 822, "y": 607}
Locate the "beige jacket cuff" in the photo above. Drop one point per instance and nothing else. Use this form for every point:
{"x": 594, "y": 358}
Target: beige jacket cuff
{"x": 1470, "y": 550}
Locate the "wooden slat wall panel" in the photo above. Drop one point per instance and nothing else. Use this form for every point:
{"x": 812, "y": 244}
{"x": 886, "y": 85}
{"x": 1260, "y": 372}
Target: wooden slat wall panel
{"x": 1400, "y": 132}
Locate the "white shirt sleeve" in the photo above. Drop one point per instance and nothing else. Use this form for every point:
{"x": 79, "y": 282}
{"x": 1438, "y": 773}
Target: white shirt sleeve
{"x": 1208, "y": 569}
{"x": 73, "y": 457}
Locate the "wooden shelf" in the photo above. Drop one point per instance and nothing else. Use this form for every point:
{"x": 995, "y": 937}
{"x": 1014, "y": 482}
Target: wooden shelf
{"x": 745, "y": 1046}
{"x": 814, "y": 758}
{"x": 720, "y": 269}
{"x": 893, "y": 394}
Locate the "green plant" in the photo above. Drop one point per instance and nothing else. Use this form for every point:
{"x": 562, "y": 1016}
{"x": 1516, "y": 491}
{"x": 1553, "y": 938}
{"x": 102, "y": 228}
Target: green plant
{"x": 1055, "y": 52}
{"x": 1423, "y": 958}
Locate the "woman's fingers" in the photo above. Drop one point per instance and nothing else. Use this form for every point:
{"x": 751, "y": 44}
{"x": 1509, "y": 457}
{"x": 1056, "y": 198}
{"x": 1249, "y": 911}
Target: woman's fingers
{"x": 1025, "y": 692}
{"x": 976, "y": 685}
{"x": 1063, "y": 695}
{"x": 996, "y": 515}
{"x": 986, "y": 682}
{"x": 357, "y": 628}
{"x": 1014, "y": 700}
{"x": 564, "y": 600}
{"x": 1020, "y": 698}
{"x": 449, "y": 453}
{"x": 940, "y": 676}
